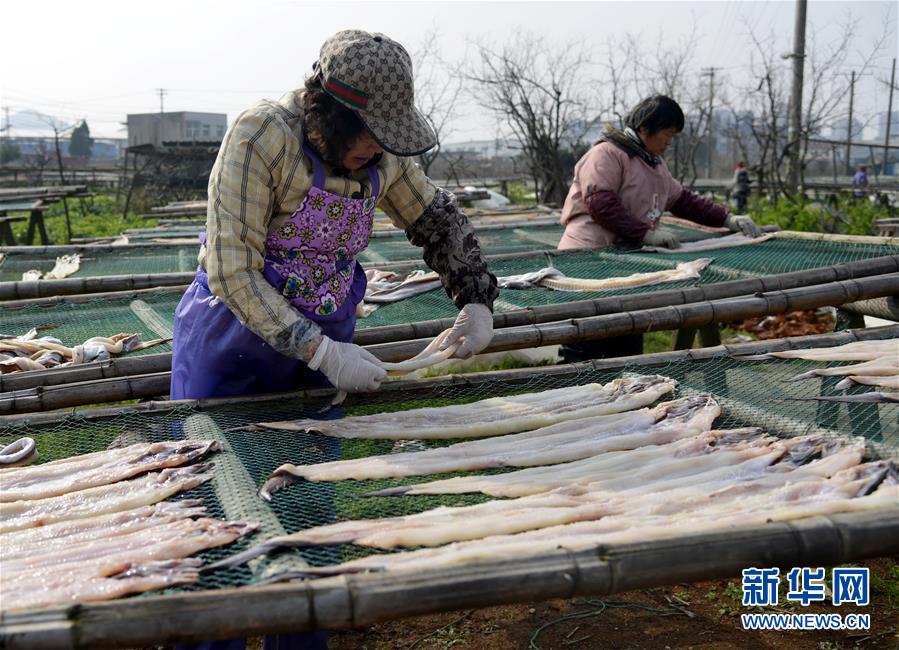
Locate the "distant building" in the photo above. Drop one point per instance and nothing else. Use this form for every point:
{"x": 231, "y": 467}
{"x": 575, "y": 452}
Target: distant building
{"x": 882, "y": 126}
{"x": 101, "y": 149}
{"x": 839, "y": 129}
{"x": 182, "y": 126}
{"x": 481, "y": 149}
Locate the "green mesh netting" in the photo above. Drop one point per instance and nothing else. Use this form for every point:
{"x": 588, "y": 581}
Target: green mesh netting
{"x": 494, "y": 241}
{"x": 766, "y": 258}
{"x": 112, "y": 315}
{"x": 150, "y": 315}
{"x": 122, "y": 260}
{"x": 751, "y": 394}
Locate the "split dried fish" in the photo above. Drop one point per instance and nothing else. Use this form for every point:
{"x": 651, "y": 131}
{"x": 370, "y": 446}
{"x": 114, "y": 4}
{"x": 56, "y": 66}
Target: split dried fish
{"x": 882, "y": 366}
{"x": 713, "y": 243}
{"x": 493, "y": 416}
{"x": 855, "y": 351}
{"x": 386, "y": 287}
{"x": 154, "y": 456}
{"x": 102, "y": 500}
{"x": 870, "y": 380}
{"x": 864, "y": 489}
{"x": 552, "y": 278}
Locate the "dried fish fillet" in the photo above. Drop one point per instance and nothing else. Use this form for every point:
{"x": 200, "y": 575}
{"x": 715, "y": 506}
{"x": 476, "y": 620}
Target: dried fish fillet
{"x": 870, "y": 380}
{"x": 105, "y": 499}
{"x": 792, "y": 501}
{"x": 552, "y": 278}
{"x": 130, "y": 579}
{"x": 65, "y": 533}
{"x": 494, "y": 416}
{"x": 156, "y": 456}
{"x": 882, "y": 366}
{"x": 855, "y": 351}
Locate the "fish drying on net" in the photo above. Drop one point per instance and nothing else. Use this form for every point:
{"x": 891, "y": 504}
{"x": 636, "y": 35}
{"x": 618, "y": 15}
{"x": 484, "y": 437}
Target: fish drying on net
{"x": 868, "y": 488}
{"x": 73, "y": 575}
{"x": 27, "y": 352}
{"x": 493, "y": 416}
{"x": 855, "y": 351}
{"x": 540, "y": 479}
{"x": 490, "y": 417}
{"x": 387, "y": 287}
{"x": 124, "y": 495}
{"x": 40, "y": 483}
{"x": 882, "y": 367}
{"x": 713, "y": 243}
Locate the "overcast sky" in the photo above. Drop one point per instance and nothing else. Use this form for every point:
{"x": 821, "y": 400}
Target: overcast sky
{"x": 101, "y": 60}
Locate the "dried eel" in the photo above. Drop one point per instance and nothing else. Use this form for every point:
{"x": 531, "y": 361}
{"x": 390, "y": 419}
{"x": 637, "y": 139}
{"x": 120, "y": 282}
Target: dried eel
{"x": 851, "y": 492}
{"x": 493, "y": 416}
{"x": 105, "y": 499}
{"x": 155, "y": 456}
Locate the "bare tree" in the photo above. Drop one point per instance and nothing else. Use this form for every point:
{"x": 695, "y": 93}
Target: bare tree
{"x": 765, "y": 97}
{"x": 632, "y": 73}
{"x": 539, "y": 93}
{"x": 437, "y": 93}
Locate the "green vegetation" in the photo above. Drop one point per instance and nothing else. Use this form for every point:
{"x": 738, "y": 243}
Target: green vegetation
{"x": 98, "y": 216}
{"x": 887, "y": 584}
{"x": 847, "y": 216}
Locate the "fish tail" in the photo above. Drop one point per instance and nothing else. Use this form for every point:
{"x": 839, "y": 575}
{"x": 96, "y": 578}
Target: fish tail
{"x": 805, "y": 375}
{"x": 242, "y": 557}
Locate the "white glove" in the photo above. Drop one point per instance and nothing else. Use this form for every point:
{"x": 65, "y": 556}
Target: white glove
{"x": 348, "y": 366}
{"x": 742, "y": 223}
{"x": 661, "y": 237}
{"x": 474, "y": 327}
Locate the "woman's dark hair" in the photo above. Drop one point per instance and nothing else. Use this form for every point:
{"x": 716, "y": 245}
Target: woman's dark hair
{"x": 655, "y": 114}
{"x": 331, "y": 128}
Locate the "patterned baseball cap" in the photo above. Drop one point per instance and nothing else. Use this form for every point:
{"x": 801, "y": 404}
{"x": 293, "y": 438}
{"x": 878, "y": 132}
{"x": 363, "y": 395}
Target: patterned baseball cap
{"x": 372, "y": 74}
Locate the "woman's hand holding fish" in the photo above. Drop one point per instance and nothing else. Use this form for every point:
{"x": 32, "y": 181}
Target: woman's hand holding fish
{"x": 473, "y": 327}
{"x": 348, "y": 366}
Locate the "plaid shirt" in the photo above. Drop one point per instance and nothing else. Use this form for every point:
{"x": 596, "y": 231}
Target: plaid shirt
{"x": 260, "y": 178}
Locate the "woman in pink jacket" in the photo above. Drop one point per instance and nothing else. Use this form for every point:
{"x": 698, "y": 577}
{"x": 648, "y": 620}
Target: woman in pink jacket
{"x": 621, "y": 188}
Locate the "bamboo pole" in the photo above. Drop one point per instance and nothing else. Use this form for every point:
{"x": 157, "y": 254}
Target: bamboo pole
{"x": 115, "y": 389}
{"x": 485, "y": 226}
{"x": 843, "y": 239}
{"x": 423, "y": 386}
{"x": 116, "y": 367}
{"x": 692, "y": 315}
{"x": 69, "y": 286}
{"x": 85, "y": 248}
{"x": 43, "y": 398}
{"x": 633, "y": 302}
{"x": 85, "y": 298}
{"x": 345, "y": 602}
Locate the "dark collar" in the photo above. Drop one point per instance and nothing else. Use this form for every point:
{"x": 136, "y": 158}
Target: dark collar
{"x": 630, "y": 143}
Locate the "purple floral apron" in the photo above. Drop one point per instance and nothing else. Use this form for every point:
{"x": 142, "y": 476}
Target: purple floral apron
{"x": 310, "y": 259}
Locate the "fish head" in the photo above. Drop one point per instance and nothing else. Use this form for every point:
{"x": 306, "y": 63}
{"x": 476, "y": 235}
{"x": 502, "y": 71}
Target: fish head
{"x": 867, "y": 477}
{"x": 695, "y": 411}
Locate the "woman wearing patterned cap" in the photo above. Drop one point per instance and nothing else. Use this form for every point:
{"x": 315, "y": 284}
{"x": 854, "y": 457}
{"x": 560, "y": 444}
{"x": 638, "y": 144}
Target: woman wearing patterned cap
{"x": 292, "y": 198}
{"x": 621, "y": 187}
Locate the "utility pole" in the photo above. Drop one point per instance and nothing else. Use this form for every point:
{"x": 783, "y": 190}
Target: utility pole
{"x": 798, "y": 57}
{"x": 159, "y": 132}
{"x": 710, "y": 73}
{"x": 849, "y": 128}
{"x": 7, "y": 128}
{"x": 886, "y": 142}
